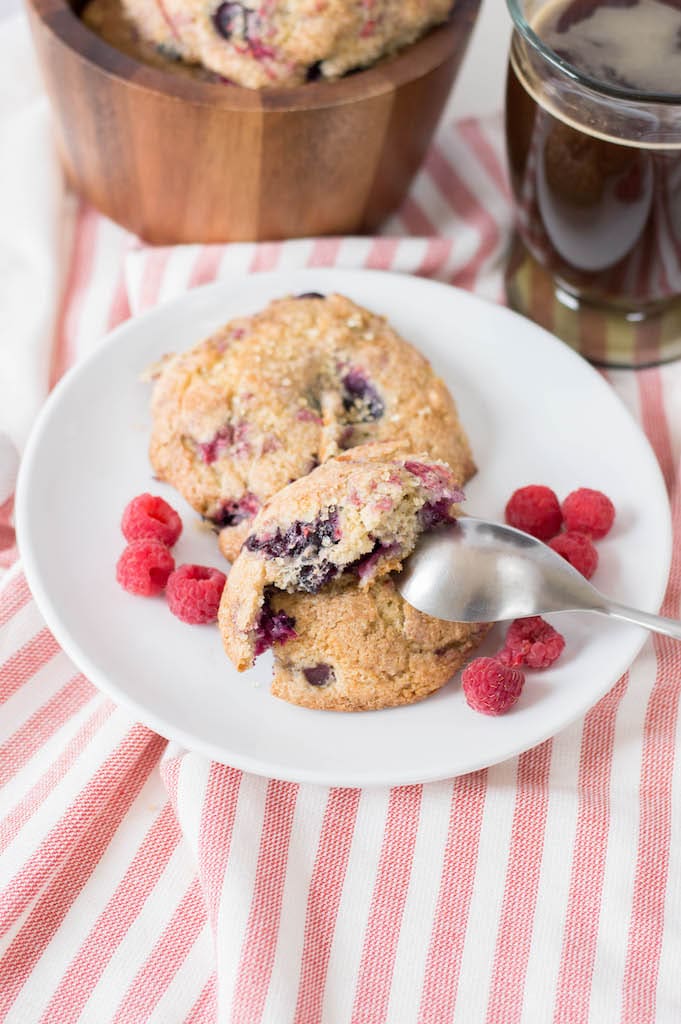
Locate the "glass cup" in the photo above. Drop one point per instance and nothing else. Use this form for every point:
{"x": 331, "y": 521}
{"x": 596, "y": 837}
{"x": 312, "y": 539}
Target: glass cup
{"x": 596, "y": 176}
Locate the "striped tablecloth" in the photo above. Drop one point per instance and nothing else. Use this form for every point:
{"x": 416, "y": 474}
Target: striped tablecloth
{"x": 141, "y": 882}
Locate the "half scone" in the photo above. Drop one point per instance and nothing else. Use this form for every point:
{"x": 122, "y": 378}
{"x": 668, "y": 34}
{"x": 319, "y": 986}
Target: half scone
{"x": 283, "y": 42}
{"x": 269, "y": 397}
{"x": 313, "y": 581}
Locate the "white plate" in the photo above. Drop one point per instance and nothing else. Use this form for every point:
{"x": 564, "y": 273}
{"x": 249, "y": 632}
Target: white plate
{"x": 535, "y": 412}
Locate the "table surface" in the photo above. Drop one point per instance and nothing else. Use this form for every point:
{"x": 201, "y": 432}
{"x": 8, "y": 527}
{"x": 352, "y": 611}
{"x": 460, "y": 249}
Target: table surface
{"x": 479, "y": 87}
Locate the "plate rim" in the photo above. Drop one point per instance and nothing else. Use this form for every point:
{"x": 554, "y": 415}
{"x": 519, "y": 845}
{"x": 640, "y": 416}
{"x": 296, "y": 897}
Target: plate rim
{"x": 244, "y": 762}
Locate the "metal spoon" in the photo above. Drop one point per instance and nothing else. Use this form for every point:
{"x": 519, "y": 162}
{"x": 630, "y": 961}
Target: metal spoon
{"x": 475, "y": 571}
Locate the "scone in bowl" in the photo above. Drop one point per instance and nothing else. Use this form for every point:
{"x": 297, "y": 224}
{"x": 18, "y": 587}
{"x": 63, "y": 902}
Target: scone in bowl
{"x": 175, "y": 159}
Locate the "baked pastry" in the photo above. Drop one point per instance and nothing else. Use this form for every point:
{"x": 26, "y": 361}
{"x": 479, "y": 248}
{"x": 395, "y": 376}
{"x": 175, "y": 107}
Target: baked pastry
{"x": 283, "y": 42}
{"x": 364, "y": 648}
{"x": 336, "y": 534}
{"x": 268, "y": 397}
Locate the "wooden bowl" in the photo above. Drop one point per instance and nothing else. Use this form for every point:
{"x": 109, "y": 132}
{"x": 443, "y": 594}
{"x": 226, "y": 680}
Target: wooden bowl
{"x": 181, "y": 160}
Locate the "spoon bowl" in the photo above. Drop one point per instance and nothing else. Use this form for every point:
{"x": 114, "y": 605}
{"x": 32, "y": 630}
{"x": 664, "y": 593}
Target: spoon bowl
{"x": 480, "y": 571}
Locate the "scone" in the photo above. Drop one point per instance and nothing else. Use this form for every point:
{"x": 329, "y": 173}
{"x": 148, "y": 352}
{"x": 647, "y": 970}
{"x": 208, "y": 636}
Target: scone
{"x": 318, "y": 550}
{"x": 283, "y": 42}
{"x": 364, "y": 648}
{"x": 268, "y": 397}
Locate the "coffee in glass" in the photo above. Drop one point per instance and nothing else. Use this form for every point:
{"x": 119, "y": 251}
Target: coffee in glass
{"x": 593, "y": 124}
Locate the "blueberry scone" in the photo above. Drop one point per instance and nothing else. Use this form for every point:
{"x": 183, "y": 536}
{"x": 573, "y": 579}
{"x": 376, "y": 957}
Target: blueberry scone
{"x": 364, "y": 648}
{"x": 268, "y": 397}
{"x": 283, "y": 42}
{"x": 313, "y": 581}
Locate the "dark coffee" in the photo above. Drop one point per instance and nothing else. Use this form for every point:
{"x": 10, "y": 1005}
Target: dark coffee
{"x": 603, "y": 216}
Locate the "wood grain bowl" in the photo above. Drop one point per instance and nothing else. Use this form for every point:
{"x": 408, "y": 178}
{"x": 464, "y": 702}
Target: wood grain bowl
{"x": 180, "y": 160}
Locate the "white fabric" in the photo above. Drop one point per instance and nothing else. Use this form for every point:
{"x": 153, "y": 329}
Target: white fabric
{"x": 35, "y": 219}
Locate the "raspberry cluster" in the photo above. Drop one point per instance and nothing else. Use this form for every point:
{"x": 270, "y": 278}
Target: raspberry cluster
{"x": 493, "y": 685}
{"x": 146, "y": 567}
{"x": 569, "y": 528}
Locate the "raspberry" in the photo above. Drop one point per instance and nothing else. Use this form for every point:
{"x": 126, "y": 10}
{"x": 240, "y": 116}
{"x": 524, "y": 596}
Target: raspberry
{"x": 578, "y": 550}
{"x": 194, "y": 593}
{"x": 491, "y": 687}
{"x": 144, "y": 567}
{"x": 536, "y": 510}
{"x": 589, "y": 512}
{"x": 532, "y": 642}
{"x": 148, "y": 516}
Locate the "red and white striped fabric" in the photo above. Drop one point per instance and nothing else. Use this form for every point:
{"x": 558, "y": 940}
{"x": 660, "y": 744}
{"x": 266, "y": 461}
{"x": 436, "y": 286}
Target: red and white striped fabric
{"x": 142, "y": 883}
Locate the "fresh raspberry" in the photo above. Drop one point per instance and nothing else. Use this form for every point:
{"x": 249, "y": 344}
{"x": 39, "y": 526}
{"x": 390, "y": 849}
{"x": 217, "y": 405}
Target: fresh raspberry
{"x": 578, "y": 550}
{"x": 149, "y": 516}
{"x": 194, "y": 593}
{"x": 144, "y": 567}
{"x": 589, "y": 512}
{"x": 536, "y": 510}
{"x": 532, "y": 642}
{"x": 491, "y": 687}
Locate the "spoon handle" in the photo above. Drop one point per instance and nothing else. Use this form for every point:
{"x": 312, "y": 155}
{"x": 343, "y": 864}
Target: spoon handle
{"x": 658, "y": 624}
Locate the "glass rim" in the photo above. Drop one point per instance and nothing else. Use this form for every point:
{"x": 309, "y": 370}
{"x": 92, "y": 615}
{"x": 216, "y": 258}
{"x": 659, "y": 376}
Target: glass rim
{"x": 581, "y": 77}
